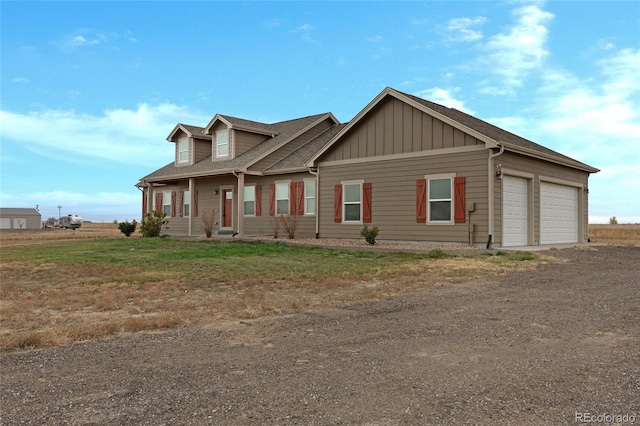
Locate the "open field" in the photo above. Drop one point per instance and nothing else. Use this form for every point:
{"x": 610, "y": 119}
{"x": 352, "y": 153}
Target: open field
{"x": 615, "y": 234}
{"x": 57, "y": 292}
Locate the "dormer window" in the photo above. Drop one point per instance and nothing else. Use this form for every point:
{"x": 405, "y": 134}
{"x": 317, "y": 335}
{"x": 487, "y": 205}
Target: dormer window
{"x": 222, "y": 143}
{"x": 183, "y": 150}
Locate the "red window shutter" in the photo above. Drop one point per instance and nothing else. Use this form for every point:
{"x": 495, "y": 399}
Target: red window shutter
{"x": 272, "y": 199}
{"x": 366, "y": 206}
{"x": 459, "y": 200}
{"x": 258, "y": 200}
{"x": 293, "y": 196}
{"x": 158, "y": 201}
{"x": 421, "y": 201}
{"x": 180, "y": 203}
{"x": 173, "y": 203}
{"x": 300, "y": 199}
{"x": 144, "y": 204}
{"x": 337, "y": 203}
{"x": 195, "y": 203}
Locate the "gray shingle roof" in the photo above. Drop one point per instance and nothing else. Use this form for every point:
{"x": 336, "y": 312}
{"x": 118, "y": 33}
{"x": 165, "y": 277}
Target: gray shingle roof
{"x": 283, "y": 131}
{"x": 25, "y": 211}
{"x": 488, "y": 129}
{"x": 299, "y": 157}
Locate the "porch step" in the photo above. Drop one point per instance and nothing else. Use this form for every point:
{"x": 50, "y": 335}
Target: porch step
{"x": 225, "y": 232}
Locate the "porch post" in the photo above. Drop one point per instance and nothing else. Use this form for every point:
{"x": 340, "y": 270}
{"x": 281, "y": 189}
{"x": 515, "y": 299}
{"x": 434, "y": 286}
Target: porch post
{"x": 150, "y": 197}
{"x": 191, "y": 197}
{"x": 240, "y": 229}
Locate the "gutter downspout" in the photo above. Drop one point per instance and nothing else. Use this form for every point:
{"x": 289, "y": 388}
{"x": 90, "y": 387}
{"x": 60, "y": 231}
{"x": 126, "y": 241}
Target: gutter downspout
{"x": 317, "y": 175}
{"x": 491, "y": 180}
{"x": 240, "y": 176}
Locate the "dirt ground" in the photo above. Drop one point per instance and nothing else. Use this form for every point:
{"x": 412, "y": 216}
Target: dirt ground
{"x": 531, "y": 347}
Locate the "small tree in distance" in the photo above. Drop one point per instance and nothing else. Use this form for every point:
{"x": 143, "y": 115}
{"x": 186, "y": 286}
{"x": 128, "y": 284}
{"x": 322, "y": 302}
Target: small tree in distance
{"x": 613, "y": 220}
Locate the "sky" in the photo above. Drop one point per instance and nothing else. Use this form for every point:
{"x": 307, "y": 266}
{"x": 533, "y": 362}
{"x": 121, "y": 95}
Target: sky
{"x": 89, "y": 91}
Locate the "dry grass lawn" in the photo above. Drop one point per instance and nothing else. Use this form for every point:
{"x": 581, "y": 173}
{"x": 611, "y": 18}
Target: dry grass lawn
{"x": 615, "y": 234}
{"x": 61, "y": 287}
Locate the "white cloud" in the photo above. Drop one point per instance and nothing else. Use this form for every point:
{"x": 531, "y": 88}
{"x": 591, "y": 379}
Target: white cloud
{"x": 21, "y": 80}
{"x": 513, "y": 55}
{"x": 443, "y": 97}
{"x": 596, "y": 121}
{"x": 460, "y": 28}
{"x": 119, "y": 135}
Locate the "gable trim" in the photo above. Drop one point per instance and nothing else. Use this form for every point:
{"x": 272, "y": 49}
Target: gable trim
{"x": 405, "y": 155}
{"x": 490, "y": 143}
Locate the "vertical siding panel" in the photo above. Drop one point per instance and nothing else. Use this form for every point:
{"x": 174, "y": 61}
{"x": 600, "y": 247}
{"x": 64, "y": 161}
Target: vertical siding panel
{"x": 447, "y": 136}
{"x": 388, "y": 128}
{"x": 371, "y": 138}
{"x": 427, "y": 132}
{"x": 397, "y": 126}
{"x": 437, "y": 134}
{"x": 417, "y": 131}
{"x": 379, "y": 134}
{"x": 407, "y": 115}
{"x": 458, "y": 138}
{"x": 362, "y": 140}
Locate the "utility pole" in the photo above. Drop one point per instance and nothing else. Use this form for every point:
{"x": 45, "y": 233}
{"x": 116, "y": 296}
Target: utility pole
{"x": 59, "y": 212}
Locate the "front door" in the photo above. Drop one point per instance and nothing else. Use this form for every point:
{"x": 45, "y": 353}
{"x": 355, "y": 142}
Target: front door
{"x": 227, "y": 208}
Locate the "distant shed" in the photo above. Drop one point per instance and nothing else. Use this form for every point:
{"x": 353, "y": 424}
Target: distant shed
{"x": 20, "y": 218}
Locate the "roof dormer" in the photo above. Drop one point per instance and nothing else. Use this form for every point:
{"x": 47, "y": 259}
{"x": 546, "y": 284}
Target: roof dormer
{"x": 191, "y": 144}
{"x": 232, "y": 136}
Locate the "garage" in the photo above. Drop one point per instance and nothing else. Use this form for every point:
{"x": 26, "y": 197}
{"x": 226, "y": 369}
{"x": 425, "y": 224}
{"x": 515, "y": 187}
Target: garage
{"x": 514, "y": 211}
{"x": 558, "y": 213}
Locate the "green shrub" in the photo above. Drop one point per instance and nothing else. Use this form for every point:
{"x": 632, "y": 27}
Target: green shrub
{"x": 437, "y": 254}
{"x": 127, "y": 228}
{"x": 370, "y": 234}
{"x": 152, "y": 225}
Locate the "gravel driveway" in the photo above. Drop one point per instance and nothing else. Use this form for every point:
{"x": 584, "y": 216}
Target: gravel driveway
{"x": 534, "y": 347}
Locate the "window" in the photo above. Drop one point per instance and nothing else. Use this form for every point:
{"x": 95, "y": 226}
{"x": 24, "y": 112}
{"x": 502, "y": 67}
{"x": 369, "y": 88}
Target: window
{"x": 250, "y": 200}
{"x": 186, "y": 202}
{"x": 439, "y": 198}
{"x": 282, "y": 198}
{"x": 183, "y": 150}
{"x": 352, "y": 202}
{"x": 166, "y": 203}
{"x": 222, "y": 143}
{"x": 309, "y": 197}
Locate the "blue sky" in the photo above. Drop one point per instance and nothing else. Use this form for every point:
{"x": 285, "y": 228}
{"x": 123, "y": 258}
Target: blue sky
{"x": 90, "y": 90}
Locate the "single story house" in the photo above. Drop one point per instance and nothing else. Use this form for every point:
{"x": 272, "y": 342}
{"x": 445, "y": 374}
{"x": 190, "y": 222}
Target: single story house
{"x": 418, "y": 170}
{"x": 20, "y": 218}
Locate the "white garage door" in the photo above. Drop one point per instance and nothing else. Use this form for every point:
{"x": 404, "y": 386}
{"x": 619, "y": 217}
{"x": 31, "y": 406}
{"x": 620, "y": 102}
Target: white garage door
{"x": 5, "y": 223}
{"x": 558, "y": 213}
{"x": 514, "y": 211}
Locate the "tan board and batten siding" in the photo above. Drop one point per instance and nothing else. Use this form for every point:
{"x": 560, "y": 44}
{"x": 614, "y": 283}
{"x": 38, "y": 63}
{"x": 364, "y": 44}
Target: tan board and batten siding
{"x": 391, "y": 148}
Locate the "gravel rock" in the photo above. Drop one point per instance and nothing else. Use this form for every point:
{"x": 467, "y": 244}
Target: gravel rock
{"x": 529, "y": 347}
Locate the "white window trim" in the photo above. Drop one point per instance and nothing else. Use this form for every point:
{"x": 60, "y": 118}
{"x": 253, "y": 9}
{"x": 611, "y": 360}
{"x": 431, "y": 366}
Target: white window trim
{"x": 166, "y": 195}
{"x": 315, "y": 191}
{"x": 186, "y": 202}
{"x": 251, "y": 185}
{"x": 217, "y": 147}
{"x": 187, "y": 150}
{"x": 288, "y": 183}
{"x": 344, "y": 194}
{"x": 440, "y": 176}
